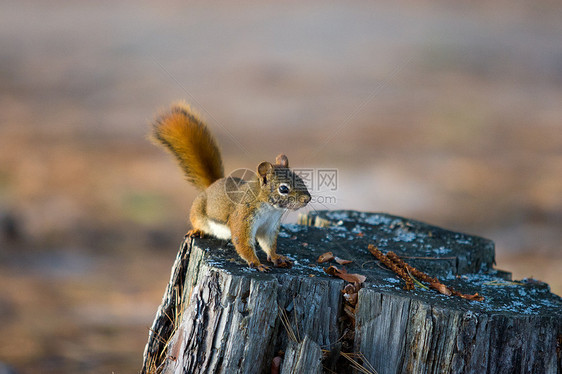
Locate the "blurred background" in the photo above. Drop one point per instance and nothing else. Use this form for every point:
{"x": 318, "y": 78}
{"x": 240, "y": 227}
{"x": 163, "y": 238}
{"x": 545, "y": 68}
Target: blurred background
{"x": 443, "y": 112}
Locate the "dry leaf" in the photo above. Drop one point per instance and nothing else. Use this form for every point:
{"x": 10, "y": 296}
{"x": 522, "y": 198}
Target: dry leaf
{"x": 341, "y": 261}
{"x": 351, "y": 288}
{"x": 343, "y": 274}
{"x": 349, "y": 310}
{"x": 350, "y": 293}
{"x": 351, "y": 298}
{"x": 441, "y": 288}
{"x": 475, "y": 297}
{"x": 332, "y": 270}
{"x": 325, "y": 257}
{"x": 353, "y": 277}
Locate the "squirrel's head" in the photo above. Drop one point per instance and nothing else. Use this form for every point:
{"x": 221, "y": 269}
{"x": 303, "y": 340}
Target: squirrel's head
{"x": 285, "y": 189}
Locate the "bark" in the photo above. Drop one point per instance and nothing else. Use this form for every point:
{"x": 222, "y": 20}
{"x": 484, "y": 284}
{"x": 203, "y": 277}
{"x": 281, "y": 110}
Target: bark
{"x": 304, "y": 357}
{"x": 218, "y": 316}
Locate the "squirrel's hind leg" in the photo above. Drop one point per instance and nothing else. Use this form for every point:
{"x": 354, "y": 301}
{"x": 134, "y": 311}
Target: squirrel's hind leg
{"x": 198, "y": 218}
{"x": 194, "y": 233}
{"x": 202, "y": 224}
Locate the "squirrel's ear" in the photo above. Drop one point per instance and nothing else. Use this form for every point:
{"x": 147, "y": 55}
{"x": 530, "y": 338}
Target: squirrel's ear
{"x": 263, "y": 168}
{"x": 282, "y": 161}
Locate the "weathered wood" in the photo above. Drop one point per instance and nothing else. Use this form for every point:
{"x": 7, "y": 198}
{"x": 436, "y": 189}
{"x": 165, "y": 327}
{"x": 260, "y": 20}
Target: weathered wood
{"x": 304, "y": 357}
{"x": 168, "y": 314}
{"x": 218, "y": 316}
{"x": 231, "y": 323}
{"x": 438, "y": 251}
{"x": 404, "y": 335}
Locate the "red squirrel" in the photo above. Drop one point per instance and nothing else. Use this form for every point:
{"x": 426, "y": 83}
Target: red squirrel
{"x": 231, "y": 208}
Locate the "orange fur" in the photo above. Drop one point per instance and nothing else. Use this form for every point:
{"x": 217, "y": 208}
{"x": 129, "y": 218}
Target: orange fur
{"x": 230, "y": 208}
{"x": 182, "y": 132}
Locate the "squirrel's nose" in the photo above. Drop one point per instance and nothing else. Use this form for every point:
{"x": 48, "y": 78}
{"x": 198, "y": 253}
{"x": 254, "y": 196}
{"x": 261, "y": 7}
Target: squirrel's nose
{"x": 306, "y": 198}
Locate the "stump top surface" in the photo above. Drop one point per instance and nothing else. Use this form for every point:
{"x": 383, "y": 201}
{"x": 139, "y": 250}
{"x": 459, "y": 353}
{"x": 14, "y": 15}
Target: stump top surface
{"x": 461, "y": 261}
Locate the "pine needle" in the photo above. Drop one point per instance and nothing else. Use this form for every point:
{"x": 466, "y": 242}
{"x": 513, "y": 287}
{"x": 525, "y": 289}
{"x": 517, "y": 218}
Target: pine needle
{"x": 417, "y": 282}
{"x": 356, "y": 365}
{"x": 287, "y": 324}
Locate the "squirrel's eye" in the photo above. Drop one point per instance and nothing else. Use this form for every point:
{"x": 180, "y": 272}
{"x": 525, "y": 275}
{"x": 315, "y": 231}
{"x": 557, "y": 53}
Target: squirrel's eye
{"x": 283, "y": 189}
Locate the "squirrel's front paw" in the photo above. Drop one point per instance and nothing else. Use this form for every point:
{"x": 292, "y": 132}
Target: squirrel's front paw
{"x": 260, "y": 267}
{"x": 280, "y": 261}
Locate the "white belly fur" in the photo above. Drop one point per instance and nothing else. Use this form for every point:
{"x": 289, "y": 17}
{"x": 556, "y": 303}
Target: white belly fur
{"x": 218, "y": 230}
{"x": 265, "y": 224}
{"x": 267, "y": 221}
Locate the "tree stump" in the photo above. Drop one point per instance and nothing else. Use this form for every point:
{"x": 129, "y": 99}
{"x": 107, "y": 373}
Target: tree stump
{"x": 219, "y": 316}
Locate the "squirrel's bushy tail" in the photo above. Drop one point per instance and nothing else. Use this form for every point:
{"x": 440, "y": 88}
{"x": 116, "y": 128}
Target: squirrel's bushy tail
{"x": 186, "y": 136}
